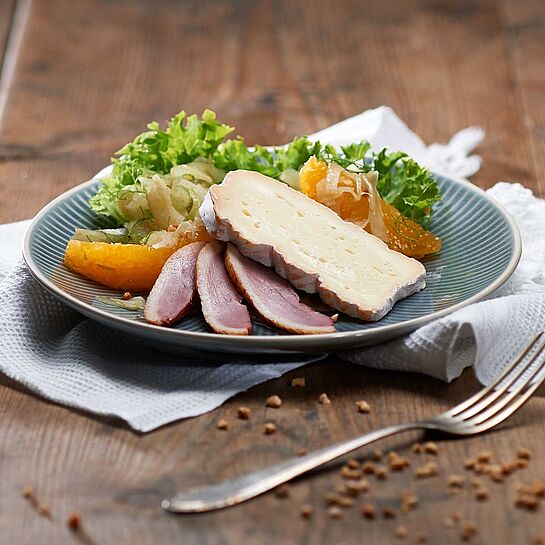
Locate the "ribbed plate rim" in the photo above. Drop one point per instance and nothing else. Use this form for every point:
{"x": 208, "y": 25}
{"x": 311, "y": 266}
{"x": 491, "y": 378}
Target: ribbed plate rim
{"x": 281, "y": 342}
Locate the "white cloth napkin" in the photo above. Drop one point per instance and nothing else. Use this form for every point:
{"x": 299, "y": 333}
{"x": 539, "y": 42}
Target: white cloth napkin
{"x": 52, "y": 350}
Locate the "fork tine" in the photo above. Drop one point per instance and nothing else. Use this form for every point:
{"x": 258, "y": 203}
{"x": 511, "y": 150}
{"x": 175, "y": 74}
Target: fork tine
{"x": 479, "y": 395}
{"x": 512, "y": 378}
{"x": 510, "y": 409}
{"x": 495, "y": 407}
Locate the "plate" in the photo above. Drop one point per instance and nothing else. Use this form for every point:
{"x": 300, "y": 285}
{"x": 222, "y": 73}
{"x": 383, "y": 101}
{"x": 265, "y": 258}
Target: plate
{"x": 481, "y": 248}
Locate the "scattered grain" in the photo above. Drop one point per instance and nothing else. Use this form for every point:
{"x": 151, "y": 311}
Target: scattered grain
{"x": 496, "y": 473}
{"x": 469, "y": 463}
{"x": 417, "y": 448}
{"x": 389, "y": 513}
{"x": 345, "y": 502}
{"x": 334, "y": 498}
{"x": 381, "y": 473}
{"x": 368, "y": 467}
{"x": 468, "y": 531}
{"x": 409, "y": 501}
{"x": 521, "y": 464}
{"x": 397, "y": 462}
{"x": 335, "y": 512}
{"x": 456, "y": 481}
{"x": 74, "y": 521}
{"x": 401, "y": 532}
{"x": 306, "y": 511}
{"x": 430, "y": 448}
{"x": 222, "y": 424}
{"x": 269, "y": 428}
{"x": 363, "y": 406}
{"x": 353, "y": 463}
{"x": 481, "y": 494}
{"x": 523, "y": 453}
{"x": 476, "y": 483}
{"x": 298, "y": 382}
{"x": 244, "y": 413}
{"x": 27, "y": 492}
{"x": 484, "y": 457}
{"x": 429, "y": 469}
{"x": 302, "y": 452}
{"x": 44, "y": 511}
{"x": 274, "y": 402}
{"x": 355, "y": 488}
{"x": 348, "y": 473}
{"x": 377, "y": 455}
{"x": 527, "y": 498}
{"x": 539, "y": 539}
{"x": 421, "y": 537}
{"x": 282, "y": 491}
{"x": 324, "y": 400}
{"x": 368, "y": 511}
{"x": 538, "y": 488}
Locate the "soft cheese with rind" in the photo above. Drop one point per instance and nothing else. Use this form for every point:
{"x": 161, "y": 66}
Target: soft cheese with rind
{"x": 310, "y": 245}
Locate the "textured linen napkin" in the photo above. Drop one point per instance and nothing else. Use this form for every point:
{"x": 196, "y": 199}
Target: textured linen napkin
{"x": 54, "y": 352}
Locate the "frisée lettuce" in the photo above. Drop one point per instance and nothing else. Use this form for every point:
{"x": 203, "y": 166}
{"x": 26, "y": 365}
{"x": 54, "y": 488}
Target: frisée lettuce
{"x": 161, "y": 177}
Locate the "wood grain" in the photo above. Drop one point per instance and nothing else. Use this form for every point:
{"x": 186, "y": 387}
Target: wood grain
{"x": 6, "y": 14}
{"x": 89, "y": 75}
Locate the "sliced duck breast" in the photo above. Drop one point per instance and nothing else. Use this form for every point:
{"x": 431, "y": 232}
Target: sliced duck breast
{"x": 220, "y": 301}
{"x": 272, "y": 297}
{"x": 174, "y": 290}
{"x": 310, "y": 245}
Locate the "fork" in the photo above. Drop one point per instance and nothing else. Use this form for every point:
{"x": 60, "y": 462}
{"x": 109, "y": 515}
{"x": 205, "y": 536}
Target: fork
{"x": 481, "y": 412}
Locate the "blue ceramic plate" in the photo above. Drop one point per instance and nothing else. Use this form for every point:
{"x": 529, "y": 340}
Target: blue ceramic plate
{"x": 481, "y": 248}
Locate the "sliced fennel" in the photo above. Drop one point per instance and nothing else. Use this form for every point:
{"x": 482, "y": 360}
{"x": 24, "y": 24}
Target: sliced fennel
{"x": 134, "y": 303}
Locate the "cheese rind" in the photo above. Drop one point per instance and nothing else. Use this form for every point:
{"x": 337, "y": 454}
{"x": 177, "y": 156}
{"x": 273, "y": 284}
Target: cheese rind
{"x": 310, "y": 245}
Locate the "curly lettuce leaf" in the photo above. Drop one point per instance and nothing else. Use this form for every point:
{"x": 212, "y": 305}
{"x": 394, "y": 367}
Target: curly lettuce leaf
{"x": 402, "y": 182}
{"x": 406, "y": 185}
{"x": 156, "y": 151}
{"x": 234, "y": 154}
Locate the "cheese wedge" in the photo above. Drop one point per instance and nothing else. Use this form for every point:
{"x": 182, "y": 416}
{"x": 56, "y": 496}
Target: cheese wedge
{"x": 310, "y": 245}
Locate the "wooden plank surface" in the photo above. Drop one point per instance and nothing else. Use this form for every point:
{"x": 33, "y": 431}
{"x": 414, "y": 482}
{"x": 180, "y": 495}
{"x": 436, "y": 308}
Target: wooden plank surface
{"x": 89, "y": 75}
{"x": 6, "y": 17}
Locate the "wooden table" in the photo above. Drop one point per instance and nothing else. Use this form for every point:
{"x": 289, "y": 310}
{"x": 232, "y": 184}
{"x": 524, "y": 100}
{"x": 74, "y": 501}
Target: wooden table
{"x": 80, "y": 78}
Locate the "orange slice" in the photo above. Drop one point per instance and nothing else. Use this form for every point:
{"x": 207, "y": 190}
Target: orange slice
{"x": 405, "y": 235}
{"x": 131, "y": 267}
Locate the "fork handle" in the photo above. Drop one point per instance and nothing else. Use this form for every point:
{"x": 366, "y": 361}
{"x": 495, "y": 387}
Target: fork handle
{"x": 248, "y": 486}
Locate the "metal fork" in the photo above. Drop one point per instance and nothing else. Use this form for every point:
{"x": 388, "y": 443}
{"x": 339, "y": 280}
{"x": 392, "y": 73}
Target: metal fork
{"x": 481, "y": 412}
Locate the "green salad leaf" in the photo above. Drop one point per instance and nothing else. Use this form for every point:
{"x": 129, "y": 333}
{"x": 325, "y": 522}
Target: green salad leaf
{"x": 406, "y": 185}
{"x": 234, "y": 154}
{"x": 157, "y": 151}
{"x": 402, "y": 182}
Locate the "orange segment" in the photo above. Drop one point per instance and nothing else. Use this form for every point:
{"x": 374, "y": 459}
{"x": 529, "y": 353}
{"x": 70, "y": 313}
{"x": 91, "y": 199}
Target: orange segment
{"x": 406, "y": 236}
{"x": 312, "y": 172}
{"x": 132, "y": 267}
{"x": 199, "y": 235}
